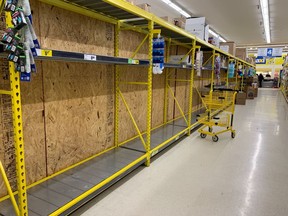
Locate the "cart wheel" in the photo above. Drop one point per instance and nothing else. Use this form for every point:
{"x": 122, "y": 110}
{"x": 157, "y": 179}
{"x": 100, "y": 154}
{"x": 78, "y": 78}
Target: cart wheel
{"x": 210, "y": 129}
{"x": 203, "y": 135}
{"x": 215, "y": 138}
{"x": 233, "y": 134}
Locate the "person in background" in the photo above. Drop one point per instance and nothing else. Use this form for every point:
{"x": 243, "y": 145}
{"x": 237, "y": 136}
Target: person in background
{"x": 268, "y": 75}
{"x": 260, "y": 79}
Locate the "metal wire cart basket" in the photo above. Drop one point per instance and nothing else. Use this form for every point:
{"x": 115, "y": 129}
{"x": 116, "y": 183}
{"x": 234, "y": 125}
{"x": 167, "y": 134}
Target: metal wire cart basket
{"x": 220, "y": 107}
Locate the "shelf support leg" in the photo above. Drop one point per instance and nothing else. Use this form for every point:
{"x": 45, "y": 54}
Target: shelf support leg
{"x": 191, "y": 87}
{"x": 18, "y": 132}
{"x": 242, "y": 78}
{"x": 166, "y": 84}
{"x": 213, "y": 70}
{"x": 149, "y": 92}
{"x": 117, "y": 80}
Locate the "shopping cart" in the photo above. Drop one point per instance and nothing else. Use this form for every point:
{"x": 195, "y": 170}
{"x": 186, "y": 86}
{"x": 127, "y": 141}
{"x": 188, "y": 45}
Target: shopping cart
{"x": 220, "y": 107}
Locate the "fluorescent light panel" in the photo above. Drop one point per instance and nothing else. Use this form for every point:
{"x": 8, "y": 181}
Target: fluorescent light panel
{"x": 217, "y": 35}
{"x": 265, "y": 15}
{"x": 177, "y": 8}
{"x": 184, "y": 13}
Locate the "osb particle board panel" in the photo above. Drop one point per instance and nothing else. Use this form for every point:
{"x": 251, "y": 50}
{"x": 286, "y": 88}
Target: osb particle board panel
{"x": 33, "y": 130}
{"x": 78, "y": 111}
{"x": 34, "y": 4}
{"x": 171, "y": 101}
{"x": 182, "y": 92}
{"x": 136, "y": 98}
{"x": 7, "y": 150}
{"x": 182, "y": 88}
{"x": 64, "y": 30}
{"x": 158, "y": 99}
{"x": 33, "y": 126}
{"x": 128, "y": 43}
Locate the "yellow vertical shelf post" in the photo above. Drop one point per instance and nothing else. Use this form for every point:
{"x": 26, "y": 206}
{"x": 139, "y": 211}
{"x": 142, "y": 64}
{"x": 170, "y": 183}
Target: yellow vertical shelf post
{"x": 242, "y": 78}
{"x": 149, "y": 91}
{"x": 117, "y": 80}
{"x": 212, "y": 81}
{"x": 166, "y": 84}
{"x": 213, "y": 69}
{"x": 18, "y": 132}
{"x": 191, "y": 86}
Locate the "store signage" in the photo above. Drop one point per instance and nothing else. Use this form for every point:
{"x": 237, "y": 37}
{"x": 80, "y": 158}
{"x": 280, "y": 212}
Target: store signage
{"x": 270, "y": 52}
{"x": 260, "y": 60}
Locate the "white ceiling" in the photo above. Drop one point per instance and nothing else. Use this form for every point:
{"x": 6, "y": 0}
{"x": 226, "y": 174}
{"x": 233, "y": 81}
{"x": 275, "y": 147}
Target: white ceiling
{"x": 235, "y": 20}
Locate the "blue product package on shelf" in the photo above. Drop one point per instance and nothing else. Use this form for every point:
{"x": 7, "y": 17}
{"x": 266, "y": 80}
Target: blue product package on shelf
{"x": 231, "y": 70}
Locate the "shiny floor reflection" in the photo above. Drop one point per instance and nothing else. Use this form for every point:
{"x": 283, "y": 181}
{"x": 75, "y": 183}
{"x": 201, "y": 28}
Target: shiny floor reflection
{"x": 244, "y": 176}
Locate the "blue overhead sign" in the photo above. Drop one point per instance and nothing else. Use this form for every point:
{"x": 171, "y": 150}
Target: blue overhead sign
{"x": 270, "y": 52}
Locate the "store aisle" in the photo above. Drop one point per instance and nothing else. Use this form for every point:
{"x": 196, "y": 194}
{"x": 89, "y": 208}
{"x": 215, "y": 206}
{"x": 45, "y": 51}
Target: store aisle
{"x": 247, "y": 175}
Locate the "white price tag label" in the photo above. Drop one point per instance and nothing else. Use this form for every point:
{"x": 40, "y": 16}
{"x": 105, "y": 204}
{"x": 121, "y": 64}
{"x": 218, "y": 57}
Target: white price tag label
{"x": 90, "y": 57}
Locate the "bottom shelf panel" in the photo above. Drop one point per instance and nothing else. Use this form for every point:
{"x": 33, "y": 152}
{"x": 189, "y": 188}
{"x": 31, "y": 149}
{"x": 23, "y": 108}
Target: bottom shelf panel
{"x": 56, "y": 192}
{"x": 162, "y": 134}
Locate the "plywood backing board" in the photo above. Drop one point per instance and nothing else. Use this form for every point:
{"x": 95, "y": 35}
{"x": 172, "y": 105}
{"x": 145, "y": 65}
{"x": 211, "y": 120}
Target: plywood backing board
{"x": 128, "y": 43}
{"x": 182, "y": 92}
{"x": 136, "y": 98}
{"x": 78, "y": 111}
{"x": 158, "y": 99}
{"x": 171, "y": 75}
{"x": 33, "y": 120}
{"x": 34, "y": 127}
{"x": 170, "y": 100}
{"x": 68, "y": 31}
{"x": 7, "y": 150}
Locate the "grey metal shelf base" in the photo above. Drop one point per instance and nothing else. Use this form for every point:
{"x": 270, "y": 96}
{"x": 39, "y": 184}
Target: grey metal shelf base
{"x": 160, "y": 135}
{"x": 52, "y": 194}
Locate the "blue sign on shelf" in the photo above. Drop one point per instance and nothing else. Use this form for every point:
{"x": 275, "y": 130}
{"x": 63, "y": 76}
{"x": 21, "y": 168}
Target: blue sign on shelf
{"x": 260, "y": 60}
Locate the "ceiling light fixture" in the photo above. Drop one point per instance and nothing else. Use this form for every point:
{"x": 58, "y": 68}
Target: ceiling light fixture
{"x": 265, "y": 15}
{"x": 217, "y": 35}
{"x": 184, "y": 13}
{"x": 177, "y": 8}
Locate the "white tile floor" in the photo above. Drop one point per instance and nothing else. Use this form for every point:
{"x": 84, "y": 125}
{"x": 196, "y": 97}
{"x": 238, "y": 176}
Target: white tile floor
{"x": 247, "y": 175}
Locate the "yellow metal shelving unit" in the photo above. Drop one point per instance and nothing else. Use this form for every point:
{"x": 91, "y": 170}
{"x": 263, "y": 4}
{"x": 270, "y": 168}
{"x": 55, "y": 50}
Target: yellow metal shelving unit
{"x": 122, "y": 14}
